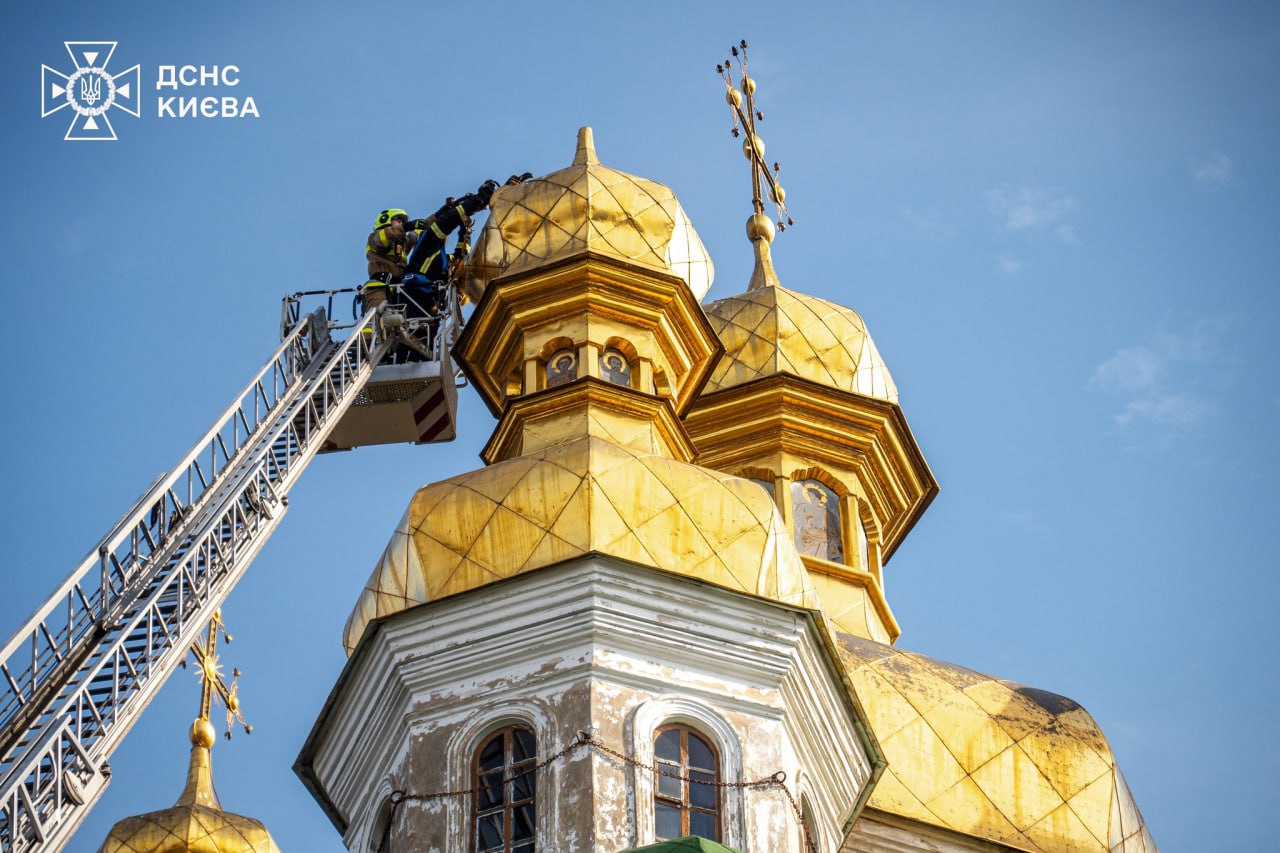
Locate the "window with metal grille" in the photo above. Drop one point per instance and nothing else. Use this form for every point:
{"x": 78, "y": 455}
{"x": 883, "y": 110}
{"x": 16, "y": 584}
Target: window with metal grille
{"x": 505, "y": 783}
{"x": 686, "y": 798}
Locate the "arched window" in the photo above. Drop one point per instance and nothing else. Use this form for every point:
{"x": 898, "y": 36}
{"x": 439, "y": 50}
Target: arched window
{"x": 615, "y": 368}
{"x": 816, "y": 515}
{"x": 562, "y": 367}
{"x": 686, "y": 800}
{"x": 505, "y": 785}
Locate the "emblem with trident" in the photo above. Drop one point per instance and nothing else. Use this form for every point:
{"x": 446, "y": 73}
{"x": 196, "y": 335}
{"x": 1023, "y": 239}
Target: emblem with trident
{"x": 90, "y": 90}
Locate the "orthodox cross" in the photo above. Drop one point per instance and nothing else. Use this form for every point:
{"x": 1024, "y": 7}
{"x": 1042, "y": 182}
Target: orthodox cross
{"x": 211, "y": 681}
{"x": 742, "y": 101}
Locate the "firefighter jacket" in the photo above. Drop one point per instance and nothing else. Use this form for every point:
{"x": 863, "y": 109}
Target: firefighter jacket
{"x": 427, "y": 258}
{"x": 387, "y": 249}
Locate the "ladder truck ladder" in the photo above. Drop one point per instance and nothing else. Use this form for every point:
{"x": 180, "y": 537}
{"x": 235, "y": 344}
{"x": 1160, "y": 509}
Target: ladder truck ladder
{"x": 76, "y": 677}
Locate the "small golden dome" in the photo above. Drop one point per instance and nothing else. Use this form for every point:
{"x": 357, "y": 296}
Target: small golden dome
{"x": 196, "y": 822}
{"x": 770, "y": 330}
{"x": 588, "y": 207}
{"x": 990, "y": 758}
{"x": 571, "y": 499}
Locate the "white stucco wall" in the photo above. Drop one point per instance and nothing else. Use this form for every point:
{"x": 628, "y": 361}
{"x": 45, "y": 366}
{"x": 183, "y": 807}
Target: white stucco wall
{"x": 592, "y": 644}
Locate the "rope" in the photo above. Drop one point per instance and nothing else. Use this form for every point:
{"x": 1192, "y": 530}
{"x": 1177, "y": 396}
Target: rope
{"x": 585, "y": 738}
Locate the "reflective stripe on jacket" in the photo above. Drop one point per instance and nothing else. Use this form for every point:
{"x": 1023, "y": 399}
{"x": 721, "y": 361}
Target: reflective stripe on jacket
{"x": 387, "y": 248}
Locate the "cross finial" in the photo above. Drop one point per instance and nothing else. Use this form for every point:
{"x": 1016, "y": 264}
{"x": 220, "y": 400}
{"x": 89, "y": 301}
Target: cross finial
{"x": 741, "y": 98}
{"x": 211, "y": 681}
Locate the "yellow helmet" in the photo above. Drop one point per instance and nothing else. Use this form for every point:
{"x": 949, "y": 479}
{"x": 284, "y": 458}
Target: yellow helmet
{"x": 385, "y": 217}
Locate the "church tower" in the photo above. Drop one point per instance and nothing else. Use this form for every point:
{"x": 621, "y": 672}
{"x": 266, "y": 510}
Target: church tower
{"x": 804, "y": 405}
{"x": 591, "y": 643}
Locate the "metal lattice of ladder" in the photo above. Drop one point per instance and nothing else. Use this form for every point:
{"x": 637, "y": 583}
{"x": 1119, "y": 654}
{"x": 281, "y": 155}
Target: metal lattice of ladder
{"x": 78, "y": 674}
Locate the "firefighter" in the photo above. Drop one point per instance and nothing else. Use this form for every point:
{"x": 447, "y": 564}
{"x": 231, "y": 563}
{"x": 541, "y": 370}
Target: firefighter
{"x": 424, "y": 280}
{"x": 386, "y": 250}
{"x": 423, "y": 286}
{"x": 427, "y": 266}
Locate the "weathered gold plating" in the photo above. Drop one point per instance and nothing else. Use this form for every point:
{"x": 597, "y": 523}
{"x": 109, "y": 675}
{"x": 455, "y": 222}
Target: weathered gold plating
{"x": 588, "y": 207}
{"x": 578, "y": 497}
{"x": 991, "y": 758}
{"x": 802, "y": 388}
{"x": 642, "y": 422}
{"x": 853, "y": 599}
{"x": 195, "y": 823}
{"x": 770, "y": 330}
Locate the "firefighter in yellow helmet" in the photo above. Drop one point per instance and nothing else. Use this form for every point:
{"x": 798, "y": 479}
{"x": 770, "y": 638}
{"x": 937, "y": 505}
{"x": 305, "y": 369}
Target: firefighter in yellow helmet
{"x": 386, "y": 251}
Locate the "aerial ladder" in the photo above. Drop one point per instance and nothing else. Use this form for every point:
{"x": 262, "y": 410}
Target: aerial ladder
{"x": 77, "y": 676}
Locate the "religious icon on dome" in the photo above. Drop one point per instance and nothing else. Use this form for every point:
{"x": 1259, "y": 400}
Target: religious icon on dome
{"x": 614, "y": 368}
{"x": 816, "y": 516}
{"x": 562, "y": 368}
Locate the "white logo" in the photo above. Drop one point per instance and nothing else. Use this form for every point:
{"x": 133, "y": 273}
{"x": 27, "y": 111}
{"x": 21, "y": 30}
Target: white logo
{"x": 89, "y": 90}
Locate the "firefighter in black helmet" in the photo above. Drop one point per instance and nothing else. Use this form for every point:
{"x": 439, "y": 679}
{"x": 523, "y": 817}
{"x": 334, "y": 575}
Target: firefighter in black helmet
{"x": 426, "y": 268}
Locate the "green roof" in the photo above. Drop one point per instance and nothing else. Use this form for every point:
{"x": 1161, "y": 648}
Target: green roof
{"x": 679, "y": 845}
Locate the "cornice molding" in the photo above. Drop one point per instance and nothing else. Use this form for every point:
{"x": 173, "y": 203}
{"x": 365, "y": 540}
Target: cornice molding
{"x": 736, "y": 427}
{"x": 585, "y": 287}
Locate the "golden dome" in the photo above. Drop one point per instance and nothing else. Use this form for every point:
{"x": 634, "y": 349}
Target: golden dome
{"x": 770, "y": 330}
{"x": 588, "y": 207}
{"x": 991, "y": 758}
{"x": 196, "y": 822}
{"x": 583, "y": 496}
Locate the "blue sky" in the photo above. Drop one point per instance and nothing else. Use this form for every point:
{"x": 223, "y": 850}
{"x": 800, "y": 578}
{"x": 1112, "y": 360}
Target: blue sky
{"x": 1057, "y": 220}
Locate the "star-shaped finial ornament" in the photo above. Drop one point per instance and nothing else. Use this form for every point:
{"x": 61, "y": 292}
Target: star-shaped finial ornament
{"x": 211, "y": 680}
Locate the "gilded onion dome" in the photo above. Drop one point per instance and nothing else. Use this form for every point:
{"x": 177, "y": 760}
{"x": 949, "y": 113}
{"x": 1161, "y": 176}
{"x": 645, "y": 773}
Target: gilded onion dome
{"x": 991, "y": 758}
{"x": 196, "y": 822}
{"x": 588, "y": 207}
{"x": 584, "y": 496}
{"x": 771, "y": 330}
